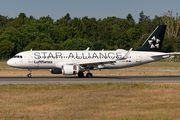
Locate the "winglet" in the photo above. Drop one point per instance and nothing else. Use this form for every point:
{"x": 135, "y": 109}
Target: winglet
{"x": 87, "y": 49}
{"x": 126, "y": 55}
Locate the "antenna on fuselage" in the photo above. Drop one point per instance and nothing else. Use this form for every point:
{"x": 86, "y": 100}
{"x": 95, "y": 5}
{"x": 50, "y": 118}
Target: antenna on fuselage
{"x": 31, "y": 49}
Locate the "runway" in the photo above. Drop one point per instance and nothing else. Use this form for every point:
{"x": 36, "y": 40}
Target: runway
{"x": 96, "y": 79}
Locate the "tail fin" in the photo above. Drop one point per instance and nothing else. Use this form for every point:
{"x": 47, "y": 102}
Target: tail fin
{"x": 155, "y": 40}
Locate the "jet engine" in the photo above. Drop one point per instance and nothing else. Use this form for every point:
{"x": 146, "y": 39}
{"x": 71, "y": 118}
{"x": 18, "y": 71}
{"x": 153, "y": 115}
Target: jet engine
{"x": 70, "y": 69}
{"x": 56, "y": 71}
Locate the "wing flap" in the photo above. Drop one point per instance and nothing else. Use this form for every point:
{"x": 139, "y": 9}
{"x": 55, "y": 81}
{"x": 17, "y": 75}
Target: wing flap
{"x": 92, "y": 62}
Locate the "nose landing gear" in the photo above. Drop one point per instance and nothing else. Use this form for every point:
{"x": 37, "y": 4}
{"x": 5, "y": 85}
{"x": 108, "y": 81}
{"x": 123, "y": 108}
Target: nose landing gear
{"x": 29, "y": 75}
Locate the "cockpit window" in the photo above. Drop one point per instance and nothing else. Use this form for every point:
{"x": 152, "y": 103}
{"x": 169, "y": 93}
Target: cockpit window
{"x": 18, "y": 56}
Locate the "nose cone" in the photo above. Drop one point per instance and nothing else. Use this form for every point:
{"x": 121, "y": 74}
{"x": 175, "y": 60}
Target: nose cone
{"x": 10, "y": 62}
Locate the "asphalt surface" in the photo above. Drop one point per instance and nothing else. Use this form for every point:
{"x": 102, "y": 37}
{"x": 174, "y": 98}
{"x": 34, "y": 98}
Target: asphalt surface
{"x": 95, "y": 79}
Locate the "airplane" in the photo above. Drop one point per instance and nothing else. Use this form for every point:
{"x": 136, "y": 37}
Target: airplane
{"x": 68, "y": 62}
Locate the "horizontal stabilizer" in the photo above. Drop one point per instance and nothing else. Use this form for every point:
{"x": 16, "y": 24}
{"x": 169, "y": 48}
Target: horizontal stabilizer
{"x": 160, "y": 55}
{"x": 166, "y": 54}
{"x": 174, "y": 54}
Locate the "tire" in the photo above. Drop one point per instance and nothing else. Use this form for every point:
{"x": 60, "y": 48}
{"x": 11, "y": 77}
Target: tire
{"x": 80, "y": 74}
{"x": 29, "y": 76}
{"x": 89, "y": 75}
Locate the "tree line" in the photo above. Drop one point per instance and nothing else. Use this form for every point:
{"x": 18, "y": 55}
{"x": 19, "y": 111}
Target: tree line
{"x": 24, "y": 33}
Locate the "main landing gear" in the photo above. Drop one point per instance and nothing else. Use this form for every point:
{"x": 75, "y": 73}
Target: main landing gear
{"x": 80, "y": 74}
{"x": 88, "y": 75}
{"x": 29, "y": 75}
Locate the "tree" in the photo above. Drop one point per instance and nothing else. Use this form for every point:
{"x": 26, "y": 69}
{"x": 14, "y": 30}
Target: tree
{"x": 13, "y": 36}
{"x": 79, "y": 33}
{"x": 133, "y": 36}
{"x": 170, "y": 44}
{"x": 23, "y": 16}
{"x": 173, "y": 26}
{"x": 18, "y": 22}
{"x": 6, "y": 48}
{"x": 172, "y": 23}
{"x": 77, "y": 44}
{"x": 130, "y": 19}
{"x": 67, "y": 17}
{"x": 141, "y": 41}
{"x": 99, "y": 45}
{"x": 3, "y": 20}
{"x": 38, "y": 46}
{"x": 157, "y": 21}
{"x": 46, "y": 19}
{"x": 143, "y": 17}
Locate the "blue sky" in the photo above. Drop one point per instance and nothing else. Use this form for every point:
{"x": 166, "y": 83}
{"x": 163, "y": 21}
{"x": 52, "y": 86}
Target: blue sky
{"x": 91, "y": 8}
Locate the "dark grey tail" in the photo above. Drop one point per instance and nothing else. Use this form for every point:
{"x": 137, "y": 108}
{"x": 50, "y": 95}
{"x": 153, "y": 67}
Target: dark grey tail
{"x": 155, "y": 40}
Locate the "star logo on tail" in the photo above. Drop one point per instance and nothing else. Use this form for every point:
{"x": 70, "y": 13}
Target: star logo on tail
{"x": 154, "y": 42}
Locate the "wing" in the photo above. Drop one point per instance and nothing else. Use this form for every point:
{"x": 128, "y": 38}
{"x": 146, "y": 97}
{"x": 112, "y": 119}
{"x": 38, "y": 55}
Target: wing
{"x": 92, "y": 62}
{"x": 100, "y": 61}
{"x": 83, "y": 65}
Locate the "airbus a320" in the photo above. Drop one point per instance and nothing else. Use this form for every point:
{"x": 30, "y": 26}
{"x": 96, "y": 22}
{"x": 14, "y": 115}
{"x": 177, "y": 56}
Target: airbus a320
{"x": 74, "y": 62}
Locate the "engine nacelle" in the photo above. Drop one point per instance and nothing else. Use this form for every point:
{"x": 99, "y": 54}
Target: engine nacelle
{"x": 70, "y": 69}
{"x": 56, "y": 71}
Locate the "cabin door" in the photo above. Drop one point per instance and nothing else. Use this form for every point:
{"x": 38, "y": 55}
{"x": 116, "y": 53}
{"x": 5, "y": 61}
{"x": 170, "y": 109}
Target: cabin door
{"x": 30, "y": 57}
{"x": 138, "y": 58}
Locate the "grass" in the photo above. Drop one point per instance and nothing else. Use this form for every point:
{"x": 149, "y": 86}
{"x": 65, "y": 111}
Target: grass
{"x": 100, "y": 101}
{"x": 118, "y": 101}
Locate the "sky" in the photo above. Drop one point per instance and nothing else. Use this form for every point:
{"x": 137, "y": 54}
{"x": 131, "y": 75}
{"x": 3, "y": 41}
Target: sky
{"x": 91, "y": 8}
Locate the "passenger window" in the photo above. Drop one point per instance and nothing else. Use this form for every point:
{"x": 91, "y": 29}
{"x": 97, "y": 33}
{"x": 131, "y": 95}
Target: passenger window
{"x": 20, "y": 56}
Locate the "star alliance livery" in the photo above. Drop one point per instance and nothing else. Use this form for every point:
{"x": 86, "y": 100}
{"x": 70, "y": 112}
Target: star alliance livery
{"x": 68, "y": 62}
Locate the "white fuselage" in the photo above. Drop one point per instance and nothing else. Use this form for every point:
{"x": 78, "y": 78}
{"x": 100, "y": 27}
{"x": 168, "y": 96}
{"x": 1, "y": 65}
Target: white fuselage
{"x": 56, "y": 59}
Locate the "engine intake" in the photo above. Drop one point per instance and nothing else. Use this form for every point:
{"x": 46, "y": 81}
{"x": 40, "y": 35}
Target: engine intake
{"x": 70, "y": 69}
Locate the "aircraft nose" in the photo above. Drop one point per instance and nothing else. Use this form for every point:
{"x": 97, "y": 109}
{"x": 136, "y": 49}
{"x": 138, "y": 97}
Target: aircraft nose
{"x": 10, "y": 62}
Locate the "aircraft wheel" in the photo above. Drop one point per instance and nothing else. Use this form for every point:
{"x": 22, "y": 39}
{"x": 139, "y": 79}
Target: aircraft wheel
{"x": 29, "y": 76}
{"x": 80, "y": 74}
{"x": 89, "y": 75}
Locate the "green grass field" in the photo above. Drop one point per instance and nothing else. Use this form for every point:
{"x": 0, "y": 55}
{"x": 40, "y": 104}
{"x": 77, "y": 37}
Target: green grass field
{"x": 102, "y": 101}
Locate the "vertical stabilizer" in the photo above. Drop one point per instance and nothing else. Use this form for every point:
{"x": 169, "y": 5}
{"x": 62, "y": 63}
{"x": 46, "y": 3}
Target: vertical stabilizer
{"x": 155, "y": 40}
